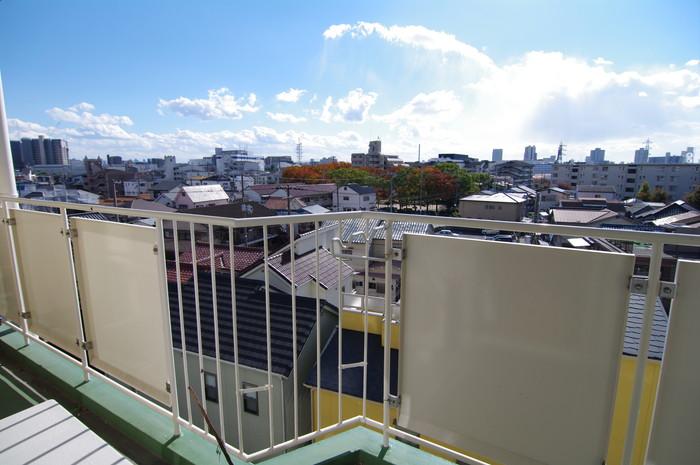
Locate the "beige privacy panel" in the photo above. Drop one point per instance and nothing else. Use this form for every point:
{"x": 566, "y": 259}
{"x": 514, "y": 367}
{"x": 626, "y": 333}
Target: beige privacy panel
{"x": 511, "y": 351}
{"x": 47, "y": 285}
{"x": 122, "y": 302}
{"x": 9, "y": 305}
{"x": 675, "y": 434}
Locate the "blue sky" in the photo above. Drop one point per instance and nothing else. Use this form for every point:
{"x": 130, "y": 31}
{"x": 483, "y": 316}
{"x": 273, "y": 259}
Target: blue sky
{"x": 147, "y": 78}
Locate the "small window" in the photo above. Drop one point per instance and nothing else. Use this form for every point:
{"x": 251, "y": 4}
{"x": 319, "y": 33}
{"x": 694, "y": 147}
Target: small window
{"x": 250, "y": 400}
{"x": 211, "y": 392}
{"x": 357, "y": 284}
{"x": 366, "y": 198}
{"x": 346, "y": 198}
{"x": 373, "y": 286}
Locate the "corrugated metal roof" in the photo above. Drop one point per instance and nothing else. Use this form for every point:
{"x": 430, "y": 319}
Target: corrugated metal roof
{"x": 305, "y": 267}
{"x": 399, "y": 228}
{"x": 577, "y": 216}
{"x": 500, "y": 197}
{"x": 633, "y": 328}
{"x": 205, "y": 193}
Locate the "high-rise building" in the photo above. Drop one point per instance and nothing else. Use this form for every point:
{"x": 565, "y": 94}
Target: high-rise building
{"x": 497, "y": 155}
{"x": 40, "y": 151}
{"x": 688, "y": 155}
{"x": 530, "y": 153}
{"x": 597, "y": 155}
{"x": 641, "y": 155}
{"x": 16, "y": 149}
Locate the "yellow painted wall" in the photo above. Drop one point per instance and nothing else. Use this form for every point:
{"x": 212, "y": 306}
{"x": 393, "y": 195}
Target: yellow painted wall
{"x": 622, "y": 408}
{"x": 352, "y": 407}
{"x": 375, "y": 325}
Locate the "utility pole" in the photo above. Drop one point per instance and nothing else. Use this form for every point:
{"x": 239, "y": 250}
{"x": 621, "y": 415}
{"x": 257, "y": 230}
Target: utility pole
{"x": 420, "y": 182}
{"x": 289, "y": 210}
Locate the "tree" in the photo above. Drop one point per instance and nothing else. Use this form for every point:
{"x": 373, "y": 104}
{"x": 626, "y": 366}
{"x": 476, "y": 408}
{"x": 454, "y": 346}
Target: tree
{"x": 644, "y": 193}
{"x": 659, "y": 195}
{"x": 693, "y": 197}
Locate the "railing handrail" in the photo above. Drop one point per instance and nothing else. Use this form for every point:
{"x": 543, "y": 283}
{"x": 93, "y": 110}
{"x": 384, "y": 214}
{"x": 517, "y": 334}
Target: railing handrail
{"x": 512, "y": 226}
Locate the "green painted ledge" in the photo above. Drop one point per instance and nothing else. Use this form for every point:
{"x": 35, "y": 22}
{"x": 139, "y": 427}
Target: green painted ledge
{"x": 136, "y": 422}
{"x": 153, "y": 431}
{"x": 358, "y": 439}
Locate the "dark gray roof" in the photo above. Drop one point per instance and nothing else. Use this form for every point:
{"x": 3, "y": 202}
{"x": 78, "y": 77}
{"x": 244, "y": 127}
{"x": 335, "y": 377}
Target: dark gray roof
{"x": 633, "y": 328}
{"x": 90, "y": 216}
{"x": 361, "y": 189}
{"x": 165, "y": 185}
{"x": 250, "y": 313}
{"x": 236, "y": 209}
{"x": 353, "y": 344}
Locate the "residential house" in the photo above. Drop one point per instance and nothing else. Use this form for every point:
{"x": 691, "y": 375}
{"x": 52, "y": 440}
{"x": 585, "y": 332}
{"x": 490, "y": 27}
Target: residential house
{"x": 550, "y": 197}
{"x": 353, "y": 197}
{"x": 200, "y": 196}
{"x": 501, "y": 206}
{"x": 251, "y": 297}
{"x": 585, "y": 217}
{"x": 596, "y": 191}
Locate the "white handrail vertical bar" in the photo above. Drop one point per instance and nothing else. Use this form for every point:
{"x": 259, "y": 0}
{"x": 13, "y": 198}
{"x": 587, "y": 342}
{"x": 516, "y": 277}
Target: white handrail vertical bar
{"x": 365, "y": 324}
{"x": 18, "y": 279}
{"x": 340, "y": 329}
{"x": 165, "y": 304}
{"x": 657, "y": 249}
{"x": 183, "y": 343}
{"x": 388, "y": 239}
{"x": 234, "y": 323}
{"x": 266, "y": 253}
{"x": 318, "y": 331}
{"x": 215, "y": 311}
{"x": 200, "y": 353}
{"x": 292, "y": 264}
{"x": 76, "y": 297}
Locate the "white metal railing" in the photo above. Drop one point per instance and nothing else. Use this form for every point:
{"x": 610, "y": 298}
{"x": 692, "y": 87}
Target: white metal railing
{"x": 364, "y": 304}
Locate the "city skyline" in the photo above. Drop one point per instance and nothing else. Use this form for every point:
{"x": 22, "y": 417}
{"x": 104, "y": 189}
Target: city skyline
{"x": 459, "y": 78}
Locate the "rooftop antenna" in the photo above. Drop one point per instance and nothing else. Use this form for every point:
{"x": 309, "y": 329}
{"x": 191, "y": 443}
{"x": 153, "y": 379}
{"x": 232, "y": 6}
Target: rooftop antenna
{"x": 299, "y": 152}
{"x": 560, "y": 152}
{"x": 647, "y": 145}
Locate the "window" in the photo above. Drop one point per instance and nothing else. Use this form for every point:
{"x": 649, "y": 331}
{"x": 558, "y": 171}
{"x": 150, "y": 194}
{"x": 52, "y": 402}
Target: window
{"x": 250, "y": 400}
{"x": 630, "y": 180}
{"x": 629, "y": 189}
{"x": 366, "y": 198}
{"x": 373, "y": 286}
{"x": 357, "y": 284}
{"x": 211, "y": 392}
{"x": 346, "y": 198}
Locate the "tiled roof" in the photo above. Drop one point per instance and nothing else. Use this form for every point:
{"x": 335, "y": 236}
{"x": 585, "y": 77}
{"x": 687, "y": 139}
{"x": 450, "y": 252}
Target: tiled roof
{"x": 633, "y": 328}
{"x": 280, "y": 203}
{"x": 305, "y": 267}
{"x": 244, "y": 258}
{"x": 353, "y": 344}
{"x": 251, "y": 326}
{"x": 90, "y": 216}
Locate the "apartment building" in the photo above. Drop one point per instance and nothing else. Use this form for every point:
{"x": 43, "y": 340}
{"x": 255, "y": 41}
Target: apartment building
{"x": 676, "y": 179}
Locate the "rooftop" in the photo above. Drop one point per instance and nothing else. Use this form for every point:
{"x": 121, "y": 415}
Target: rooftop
{"x": 578, "y": 216}
{"x": 500, "y": 197}
{"x": 305, "y": 267}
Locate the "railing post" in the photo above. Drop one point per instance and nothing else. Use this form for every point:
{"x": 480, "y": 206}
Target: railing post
{"x": 15, "y": 267}
{"x": 76, "y": 298}
{"x": 388, "y": 262}
{"x": 657, "y": 249}
{"x": 165, "y": 304}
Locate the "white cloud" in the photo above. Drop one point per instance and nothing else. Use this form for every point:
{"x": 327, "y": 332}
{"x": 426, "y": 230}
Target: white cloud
{"x": 641, "y": 93}
{"x": 600, "y": 61}
{"x": 415, "y": 36}
{"x": 87, "y": 138}
{"x": 219, "y": 104}
{"x": 425, "y": 112}
{"x": 336, "y": 31}
{"x": 291, "y": 95}
{"x": 286, "y": 118}
{"x": 692, "y": 62}
{"x": 690, "y": 101}
{"x": 82, "y": 106}
{"x": 353, "y": 108}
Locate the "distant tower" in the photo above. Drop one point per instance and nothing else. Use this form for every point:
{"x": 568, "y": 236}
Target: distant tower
{"x": 530, "y": 153}
{"x": 497, "y": 155}
{"x": 299, "y": 152}
{"x": 560, "y": 152}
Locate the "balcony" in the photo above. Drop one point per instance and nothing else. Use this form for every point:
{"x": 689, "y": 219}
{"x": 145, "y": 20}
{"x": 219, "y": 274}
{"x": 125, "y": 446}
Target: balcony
{"x": 175, "y": 348}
